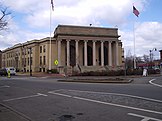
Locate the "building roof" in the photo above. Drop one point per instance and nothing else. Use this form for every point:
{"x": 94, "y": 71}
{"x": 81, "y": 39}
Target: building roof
{"x": 28, "y": 43}
{"x": 71, "y": 30}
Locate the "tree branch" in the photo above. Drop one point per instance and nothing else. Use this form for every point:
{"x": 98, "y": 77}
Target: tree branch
{"x": 3, "y": 21}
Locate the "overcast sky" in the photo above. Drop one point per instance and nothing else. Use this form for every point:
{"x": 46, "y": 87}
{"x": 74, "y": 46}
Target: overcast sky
{"x": 31, "y": 20}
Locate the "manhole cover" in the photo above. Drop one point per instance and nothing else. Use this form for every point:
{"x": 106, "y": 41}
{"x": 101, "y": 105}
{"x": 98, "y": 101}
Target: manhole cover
{"x": 79, "y": 114}
{"x": 66, "y": 118}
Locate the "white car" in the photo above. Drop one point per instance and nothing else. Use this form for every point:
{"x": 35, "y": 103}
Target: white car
{"x": 12, "y": 70}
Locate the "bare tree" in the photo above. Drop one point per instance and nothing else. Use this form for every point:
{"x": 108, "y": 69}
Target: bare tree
{"x": 146, "y": 58}
{"x": 3, "y": 18}
{"x": 139, "y": 59}
{"x": 129, "y": 60}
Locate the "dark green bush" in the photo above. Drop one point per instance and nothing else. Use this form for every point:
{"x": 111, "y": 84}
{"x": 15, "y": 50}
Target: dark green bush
{"x": 52, "y": 71}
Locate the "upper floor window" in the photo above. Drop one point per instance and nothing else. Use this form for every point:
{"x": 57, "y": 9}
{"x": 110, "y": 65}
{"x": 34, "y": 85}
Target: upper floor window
{"x": 44, "y": 48}
{"x": 40, "y": 49}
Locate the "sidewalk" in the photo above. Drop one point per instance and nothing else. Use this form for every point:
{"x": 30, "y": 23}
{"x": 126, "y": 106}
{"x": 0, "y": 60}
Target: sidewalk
{"x": 8, "y": 114}
{"x": 39, "y": 74}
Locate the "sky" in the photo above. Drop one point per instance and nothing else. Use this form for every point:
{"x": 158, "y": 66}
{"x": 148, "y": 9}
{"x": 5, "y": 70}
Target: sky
{"x": 30, "y": 19}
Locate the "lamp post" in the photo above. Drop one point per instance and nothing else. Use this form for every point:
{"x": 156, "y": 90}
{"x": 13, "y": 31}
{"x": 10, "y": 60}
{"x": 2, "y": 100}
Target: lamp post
{"x": 30, "y": 61}
{"x": 151, "y": 55}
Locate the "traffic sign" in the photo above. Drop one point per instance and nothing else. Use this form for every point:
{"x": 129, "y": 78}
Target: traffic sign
{"x": 56, "y": 62}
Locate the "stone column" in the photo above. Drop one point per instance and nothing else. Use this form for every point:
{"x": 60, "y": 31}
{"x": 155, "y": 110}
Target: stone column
{"x": 59, "y": 52}
{"x": 102, "y": 53}
{"x": 94, "y": 53}
{"x": 68, "y": 52}
{"x": 85, "y": 53}
{"x": 117, "y": 54}
{"x": 77, "y": 52}
{"x": 110, "y": 53}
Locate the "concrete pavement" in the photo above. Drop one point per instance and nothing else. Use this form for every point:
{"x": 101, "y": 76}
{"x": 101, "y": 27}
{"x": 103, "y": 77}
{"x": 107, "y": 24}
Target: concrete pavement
{"x": 8, "y": 114}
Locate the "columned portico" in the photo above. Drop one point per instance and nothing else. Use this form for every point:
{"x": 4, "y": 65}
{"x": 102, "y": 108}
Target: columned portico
{"x": 117, "y": 54}
{"x": 88, "y": 48}
{"x": 59, "y": 52}
{"x": 110, "y": 53}
{"x": 77, "y": 51}
{"x": 68, "y": 52}
{"x": 94, "y": 49}
{"x": 85, "y": 53}
{"x": 102, "y": 53}
{"x": 94, "y": 53}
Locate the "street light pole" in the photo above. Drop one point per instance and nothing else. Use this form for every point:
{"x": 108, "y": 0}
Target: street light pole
{"x": 151, "y": 55}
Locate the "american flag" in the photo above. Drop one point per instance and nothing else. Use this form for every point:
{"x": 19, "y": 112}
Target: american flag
{"x": 52, "y": 5}
{"x": 135, "y": 11}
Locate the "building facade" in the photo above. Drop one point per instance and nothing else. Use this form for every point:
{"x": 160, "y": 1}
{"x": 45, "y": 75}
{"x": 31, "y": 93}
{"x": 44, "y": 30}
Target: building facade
{"x": 74, "y": 47}
{"x": 32, "y": 55}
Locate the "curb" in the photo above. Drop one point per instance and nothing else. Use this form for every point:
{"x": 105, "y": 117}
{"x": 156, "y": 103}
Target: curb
{"x": 96, "y": 81}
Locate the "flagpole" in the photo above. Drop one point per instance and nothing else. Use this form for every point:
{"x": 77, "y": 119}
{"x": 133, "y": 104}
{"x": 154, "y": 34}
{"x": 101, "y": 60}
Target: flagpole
{"x": 134, "y": 41}
{"x": 136, "y": 12}
{"x": 50, "y": 48}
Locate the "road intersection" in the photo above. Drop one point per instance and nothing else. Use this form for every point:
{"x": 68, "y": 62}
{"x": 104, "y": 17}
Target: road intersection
{"x": 41, "y": 99}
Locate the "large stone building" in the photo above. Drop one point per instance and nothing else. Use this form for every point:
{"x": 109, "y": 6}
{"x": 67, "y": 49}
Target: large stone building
{"x": 77, "y": 48}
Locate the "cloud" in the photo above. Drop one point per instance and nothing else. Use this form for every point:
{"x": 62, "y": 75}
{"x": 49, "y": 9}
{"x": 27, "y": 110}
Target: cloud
{"x": 107, "y": 13}
{"x": 16, "y": 34}
{"x": 147, "y": 37}
{"x": 81, "y": 12}
{"x": 24, "y": 6}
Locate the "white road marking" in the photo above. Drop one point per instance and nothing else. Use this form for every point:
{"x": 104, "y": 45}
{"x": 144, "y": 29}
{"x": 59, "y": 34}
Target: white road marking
{"x": 145, "y": 118}
{"x": 5, "y": 86}
{"x": 59, "y": 94}
{"x": 20, "y": 98}
{"x": 106, "y": 103}
{"x": 42, "y": 94}
{"x": 126, "y": 95}
{"x": 26, "y": 78}
{"x": 151, "y": 82}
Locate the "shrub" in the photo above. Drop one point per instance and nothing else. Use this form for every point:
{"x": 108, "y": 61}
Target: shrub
{"x": 52, "y": 71}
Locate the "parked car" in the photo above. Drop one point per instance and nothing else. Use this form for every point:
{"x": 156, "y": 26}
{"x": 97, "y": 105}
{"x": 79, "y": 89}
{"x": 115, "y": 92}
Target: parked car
{"x": 12, "y": 70}
{"x": 3, "y": 72}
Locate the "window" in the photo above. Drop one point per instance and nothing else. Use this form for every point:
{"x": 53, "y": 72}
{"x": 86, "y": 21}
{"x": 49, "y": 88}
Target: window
{"x": 40, "y": 60}
{"x": 31, "y": 61}
{"x": 40, "y": 49}
{"x": 31, "y": 50}
{"x": 25, "y": 62}
{"x": 44, "y": 48}
{"x": 22, "y": 61}
{"x": 44, "y": 60}
{"x": 28, "y": 60}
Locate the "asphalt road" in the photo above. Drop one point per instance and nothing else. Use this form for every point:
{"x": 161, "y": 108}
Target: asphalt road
{"x": 45, "y": 99}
